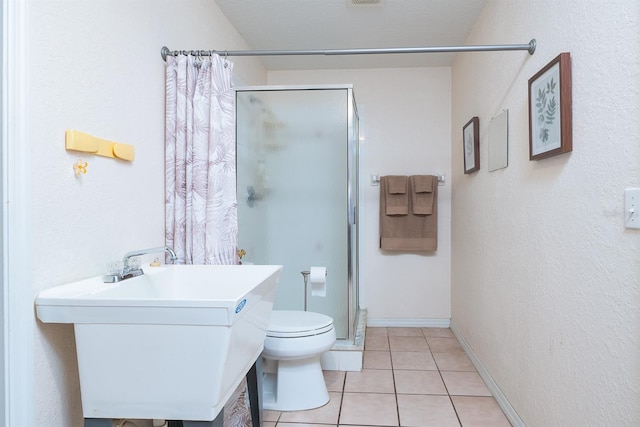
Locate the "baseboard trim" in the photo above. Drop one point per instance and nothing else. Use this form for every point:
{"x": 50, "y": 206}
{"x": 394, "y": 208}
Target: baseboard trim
{"x": 382, "y": 322}
{"x": 501, "y": 399}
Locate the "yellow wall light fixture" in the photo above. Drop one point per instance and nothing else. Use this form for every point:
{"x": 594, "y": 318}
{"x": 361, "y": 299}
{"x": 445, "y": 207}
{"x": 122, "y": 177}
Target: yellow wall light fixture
{"x": 80, "y": 141}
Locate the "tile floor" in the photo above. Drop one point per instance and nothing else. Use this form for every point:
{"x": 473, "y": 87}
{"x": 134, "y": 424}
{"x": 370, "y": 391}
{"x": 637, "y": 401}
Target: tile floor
{"x": 411, "y": 377}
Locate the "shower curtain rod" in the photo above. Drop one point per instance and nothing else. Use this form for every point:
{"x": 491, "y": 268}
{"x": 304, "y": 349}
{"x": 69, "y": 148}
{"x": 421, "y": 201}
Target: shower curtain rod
{"x": 530, "y": 47}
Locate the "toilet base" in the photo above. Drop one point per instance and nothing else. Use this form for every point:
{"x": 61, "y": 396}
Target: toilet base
{"x": 293, "y": 385}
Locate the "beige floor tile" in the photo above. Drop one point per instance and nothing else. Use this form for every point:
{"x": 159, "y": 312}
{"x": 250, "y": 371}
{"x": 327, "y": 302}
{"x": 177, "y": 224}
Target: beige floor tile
{"x": 374, "y": 359}
{"x": 327, "y": 414}
{"x": 419, "y": 382}
{"x": 479, "y": 412}
{"x": 408, "y": 343}
{"x": 376, "y": 331}
{"x": 405, "y": 332}
{"x": 465, "y": 384}
{"x": 302, "y": 425}
{"x": 369, "y": 409}
{"x": 437, "y": 333}
{"x": 426, "y": 411}
{"x": 334, "y": 380}
{"x": 453, "y": 362}
{"x": 444, "y": 345}
{"x": 370, "y": 381}
{"x": 270, "y": 415}
{"x": 376, "y": 342}
{"x": 403, "y": 383}
{"x": 413, "y": 360}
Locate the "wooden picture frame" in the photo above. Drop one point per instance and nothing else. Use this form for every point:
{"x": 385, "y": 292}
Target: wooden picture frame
{"x": 550, "y": 127}
{"x": 471, "y": 145}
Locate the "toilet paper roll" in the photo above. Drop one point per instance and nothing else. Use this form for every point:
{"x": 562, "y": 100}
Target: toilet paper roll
{"x": 318, "y": 279}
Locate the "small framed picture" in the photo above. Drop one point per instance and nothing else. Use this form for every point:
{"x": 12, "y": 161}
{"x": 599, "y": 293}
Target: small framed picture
{"x": 471, "y": 145}
{"x": 550, "y": 109}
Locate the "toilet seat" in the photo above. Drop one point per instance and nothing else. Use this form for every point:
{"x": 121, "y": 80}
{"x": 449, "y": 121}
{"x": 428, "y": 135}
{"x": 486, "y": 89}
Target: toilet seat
{"x": 296, "y": 324}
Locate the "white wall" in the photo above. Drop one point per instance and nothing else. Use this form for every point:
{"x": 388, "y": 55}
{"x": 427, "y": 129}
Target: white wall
{"x": 544, "y": 275}
{"x": 407, "y": 127}
{"x": 95, "y": 66}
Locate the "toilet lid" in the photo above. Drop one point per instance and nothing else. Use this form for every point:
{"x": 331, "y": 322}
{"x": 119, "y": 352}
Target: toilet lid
{"x": 290, "y": 323}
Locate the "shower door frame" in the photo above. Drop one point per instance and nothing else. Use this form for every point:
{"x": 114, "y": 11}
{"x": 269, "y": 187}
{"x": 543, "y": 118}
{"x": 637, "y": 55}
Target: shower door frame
{"x": 353, "y": 212}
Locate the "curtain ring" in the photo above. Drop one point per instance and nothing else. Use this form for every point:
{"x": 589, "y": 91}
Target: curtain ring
{"x": 226, "y": 62}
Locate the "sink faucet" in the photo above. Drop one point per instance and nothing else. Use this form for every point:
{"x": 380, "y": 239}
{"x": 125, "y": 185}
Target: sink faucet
{"x": 129, "y": 255}
{"x": 130, "y": 269}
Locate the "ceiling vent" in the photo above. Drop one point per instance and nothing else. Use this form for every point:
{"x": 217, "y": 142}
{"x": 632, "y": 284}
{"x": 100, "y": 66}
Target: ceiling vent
{"x": 361, "y": 3}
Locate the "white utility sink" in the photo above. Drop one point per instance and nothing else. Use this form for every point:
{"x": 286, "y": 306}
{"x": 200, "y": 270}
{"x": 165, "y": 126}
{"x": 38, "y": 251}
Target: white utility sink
{"x": 172, "y": 344}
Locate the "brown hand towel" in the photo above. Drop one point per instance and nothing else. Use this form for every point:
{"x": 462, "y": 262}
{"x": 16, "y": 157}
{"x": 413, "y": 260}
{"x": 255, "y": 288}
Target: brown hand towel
{"x": 408, "y": 233}
{"x": 396, "y": 194}
{"x": 422, "y": 193}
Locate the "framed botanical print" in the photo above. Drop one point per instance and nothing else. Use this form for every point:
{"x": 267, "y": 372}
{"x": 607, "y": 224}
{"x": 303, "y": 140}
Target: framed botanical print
{"x": 550, "y": 109}
{"x": 471, "y": 145}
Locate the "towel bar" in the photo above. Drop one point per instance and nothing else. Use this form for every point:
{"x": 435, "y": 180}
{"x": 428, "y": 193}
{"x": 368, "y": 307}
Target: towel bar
{"x": 375, "y": 179}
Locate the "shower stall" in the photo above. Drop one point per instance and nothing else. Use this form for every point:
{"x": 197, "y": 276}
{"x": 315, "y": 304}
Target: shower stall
{"x": 297, "y": 189}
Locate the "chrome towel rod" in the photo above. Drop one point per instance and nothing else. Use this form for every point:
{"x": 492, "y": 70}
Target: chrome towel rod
{"x": 530, "y": 47}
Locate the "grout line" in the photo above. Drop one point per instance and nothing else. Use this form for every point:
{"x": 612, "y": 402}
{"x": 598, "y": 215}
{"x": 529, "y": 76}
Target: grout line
{"x": 449, "y": 396}
{"x": 455, "y": 410}
{"x": 395, "y": 390}
{"x": 443, "y": 382}
{"x": 344, "y": 383}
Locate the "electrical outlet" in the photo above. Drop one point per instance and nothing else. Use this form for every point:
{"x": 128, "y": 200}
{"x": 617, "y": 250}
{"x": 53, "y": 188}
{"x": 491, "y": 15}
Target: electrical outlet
{"x": 632, "y": 208}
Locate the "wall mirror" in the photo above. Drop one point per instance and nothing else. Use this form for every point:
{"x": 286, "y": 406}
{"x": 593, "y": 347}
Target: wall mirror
{"x": 499, "y": 142}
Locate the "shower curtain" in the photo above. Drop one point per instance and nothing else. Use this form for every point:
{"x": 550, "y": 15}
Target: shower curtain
{"x": 200, "y": 155}
{"x": 201, "y": 208}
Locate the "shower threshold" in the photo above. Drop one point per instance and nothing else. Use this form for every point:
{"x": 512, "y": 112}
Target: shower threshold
{"x": 347, "y": 355}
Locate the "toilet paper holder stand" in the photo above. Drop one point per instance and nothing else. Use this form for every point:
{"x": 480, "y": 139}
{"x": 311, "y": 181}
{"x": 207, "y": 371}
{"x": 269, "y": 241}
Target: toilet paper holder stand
{"x": 305, "y": 276}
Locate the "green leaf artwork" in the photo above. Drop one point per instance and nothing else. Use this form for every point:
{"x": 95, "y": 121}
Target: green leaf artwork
{"x": 547, "y": 107}
{"x": 468, "y": 144}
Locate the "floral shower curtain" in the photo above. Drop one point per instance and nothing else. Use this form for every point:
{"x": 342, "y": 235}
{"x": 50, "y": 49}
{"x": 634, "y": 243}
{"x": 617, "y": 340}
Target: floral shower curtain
{"x": 200, "y": 154}
{"x": 201, "y": 207}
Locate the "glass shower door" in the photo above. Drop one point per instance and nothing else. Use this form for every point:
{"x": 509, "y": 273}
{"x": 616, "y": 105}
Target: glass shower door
{"x": 293, "y": 192}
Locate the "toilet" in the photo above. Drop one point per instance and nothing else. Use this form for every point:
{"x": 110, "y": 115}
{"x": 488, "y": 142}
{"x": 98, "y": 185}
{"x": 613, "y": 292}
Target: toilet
{"x": 291, "y": 372}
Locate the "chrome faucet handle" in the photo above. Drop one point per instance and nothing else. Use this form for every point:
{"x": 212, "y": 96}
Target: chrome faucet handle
{"x": 114, "y": 272}
{"x": 132, "y": 263}
{"x": 114, "y": 268}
